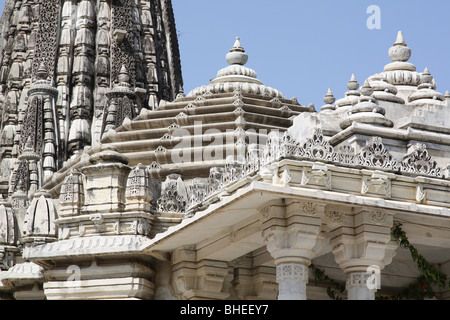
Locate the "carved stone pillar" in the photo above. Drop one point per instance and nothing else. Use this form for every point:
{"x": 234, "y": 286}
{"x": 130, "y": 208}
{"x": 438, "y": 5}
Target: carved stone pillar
{"x": 362, "y": 248}
{"x": 358, "y": 286}
{"x": 292, "y": 232}
{"x": 292, "y": 279}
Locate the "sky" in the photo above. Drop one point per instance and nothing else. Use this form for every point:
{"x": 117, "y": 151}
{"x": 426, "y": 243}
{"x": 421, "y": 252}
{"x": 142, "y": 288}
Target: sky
{"x": 302, "y": 48}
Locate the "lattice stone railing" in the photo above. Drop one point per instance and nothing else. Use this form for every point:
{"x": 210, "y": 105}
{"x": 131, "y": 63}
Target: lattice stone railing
{"x": 283, "y": 146}
{"x": 373, "y": 156}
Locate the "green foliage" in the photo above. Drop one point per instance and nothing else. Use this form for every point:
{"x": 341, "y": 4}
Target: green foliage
{"x": 334, "y": 288}
{"x": 431, "y": 276}
{"x": 418, "y": 290}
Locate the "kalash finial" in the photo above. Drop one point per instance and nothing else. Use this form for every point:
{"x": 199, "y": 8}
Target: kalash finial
{"x": 400, "y": 51}
{"x": 237, "y": 54}
{"x": 42, "y": 73}
{"x": 124, "y": 77}
{"x": 353, "y": 84}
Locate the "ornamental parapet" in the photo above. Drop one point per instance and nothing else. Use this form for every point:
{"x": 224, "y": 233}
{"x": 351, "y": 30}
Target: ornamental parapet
{"x": 315, "y": 163}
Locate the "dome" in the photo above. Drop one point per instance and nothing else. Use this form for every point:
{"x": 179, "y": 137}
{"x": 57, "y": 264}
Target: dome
{"x": 237, "y": 77}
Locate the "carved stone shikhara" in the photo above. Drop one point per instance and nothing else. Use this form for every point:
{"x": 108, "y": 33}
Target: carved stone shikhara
{"x": 110, "y": 170}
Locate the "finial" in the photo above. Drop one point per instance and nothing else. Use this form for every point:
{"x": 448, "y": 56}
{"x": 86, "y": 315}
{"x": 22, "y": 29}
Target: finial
{"x": 400, "y": 52}
{"x": 426, "y": 76}
{"x": 400, "y": 40}
{"x": 42, "y": 73}
{"x": 237, "y": 54}
{"x": 123, "y": 75}
{"x": 329, "y": 98}
{"x": 353, "y": 84}
{"x": 366, "y": 89}
{"x": 29, "y": 144}
{"x": 237, "y": 46}
{"x": 447, "y": 95}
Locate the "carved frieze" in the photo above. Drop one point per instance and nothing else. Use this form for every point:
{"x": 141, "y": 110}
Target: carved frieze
{"x": 420, "y": 162}
{"x": 174, "y": 195}
{"x": 378, "y": 183}
{"x": 375, "y": 155}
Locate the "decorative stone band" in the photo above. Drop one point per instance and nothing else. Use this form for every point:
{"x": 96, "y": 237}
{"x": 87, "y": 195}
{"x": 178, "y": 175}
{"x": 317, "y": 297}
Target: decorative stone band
{"x": 105, "y": 245}
{"x": 374, "y": 155}
{"x": 357, "y": 280}
{"x": 362, "y": 286}
{"x": 292, "y": 272}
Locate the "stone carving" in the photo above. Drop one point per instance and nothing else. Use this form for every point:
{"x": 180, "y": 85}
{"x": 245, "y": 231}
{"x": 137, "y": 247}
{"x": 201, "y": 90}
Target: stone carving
{"x": 234, "y": 170}
{"x": 121, "y": 103}
{"x": 138, "y": 193}
{"x": 420, "y": 162}
{"x": 71, "y": 196}
{"x": 346, "y": 154}
{"x": 375, "y": 155}
{"x": 378, "y": 217}
{"x": 292, "y": 271}
{"x": 7, "y": 224}
{"x": 198, "y": 191}
{"x": 174, "y": 195}
{"x": 289, "y": 147}
{"x": 47, "y": 37}
{"x": 421, "y": 193}
{"x": 334, "y": 216}
{"x": 317, "y": 148}
{"x": 252, "y": 163}
{"x": 122, "y": 47}
{"x": 318, "y": 175}
{"x": 309, "y": 208}
{"x": 215, "y": 179}
{"x": 378, "y": 183}
{"x": 40, "y": 220}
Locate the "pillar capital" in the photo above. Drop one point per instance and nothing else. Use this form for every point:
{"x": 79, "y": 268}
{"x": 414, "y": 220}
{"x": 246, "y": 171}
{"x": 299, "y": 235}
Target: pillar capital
{"x": 292, "y": 230}
{"x": 365, "y": 243}
{"x": 362, "y": 248}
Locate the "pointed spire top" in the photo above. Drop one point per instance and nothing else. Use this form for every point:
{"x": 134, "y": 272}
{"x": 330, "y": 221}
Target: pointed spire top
{"x": 400, "y": 52}
{"x": 42, "y": 73}
{"x": 237, "y": 54}
{"x": 237, "y": 46}
{"x": 426, "y": 76}
{"x": 124, "y": 77}
{"x": 329, "y": 98}
{"x": 353, "y": 84}
{"x": 366, "y": 89}
{"x": 400, "y": 40}
{"x": 447, "y": 95}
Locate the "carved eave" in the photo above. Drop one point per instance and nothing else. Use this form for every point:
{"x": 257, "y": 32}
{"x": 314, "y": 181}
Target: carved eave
{"x": 230, "y": 207}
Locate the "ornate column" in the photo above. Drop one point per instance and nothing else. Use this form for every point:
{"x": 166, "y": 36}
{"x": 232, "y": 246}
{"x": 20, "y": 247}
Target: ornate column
{"x": 363, "y": 247}
{"x": 292, "y": 232}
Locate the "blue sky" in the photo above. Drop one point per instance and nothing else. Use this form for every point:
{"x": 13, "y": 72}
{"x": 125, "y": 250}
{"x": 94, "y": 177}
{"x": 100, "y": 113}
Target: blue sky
{"x": 302, "y": 48}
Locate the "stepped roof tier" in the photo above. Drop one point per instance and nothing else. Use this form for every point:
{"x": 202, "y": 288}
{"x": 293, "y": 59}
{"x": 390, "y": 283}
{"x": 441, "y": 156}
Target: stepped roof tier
{"x": 234, "y": 109}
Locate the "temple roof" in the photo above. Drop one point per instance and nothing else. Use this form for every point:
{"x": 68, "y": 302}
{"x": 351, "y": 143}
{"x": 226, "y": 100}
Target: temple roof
{"x": 237, "y": 77}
